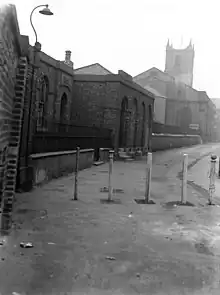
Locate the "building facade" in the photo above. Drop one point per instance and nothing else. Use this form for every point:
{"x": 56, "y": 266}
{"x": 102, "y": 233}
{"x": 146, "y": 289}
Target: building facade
{"x": 65, "y": 108}
{"x": 179, "y": 63}
{"x": 115, "y": 102}
{"x": 184, "y": 106}
{"x": 48, "y": 101}
{"x": 13, "y": 71}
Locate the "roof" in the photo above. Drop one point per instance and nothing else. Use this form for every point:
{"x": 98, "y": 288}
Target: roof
{"x": 93, "y": 69}
{"x": 154, "y": 91}
{"x": 156, "y": 69}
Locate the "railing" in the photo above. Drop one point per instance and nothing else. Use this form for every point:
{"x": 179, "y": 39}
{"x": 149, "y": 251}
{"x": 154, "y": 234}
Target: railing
{"x": 53, "y": 126}
{"x": 53, "y": 136}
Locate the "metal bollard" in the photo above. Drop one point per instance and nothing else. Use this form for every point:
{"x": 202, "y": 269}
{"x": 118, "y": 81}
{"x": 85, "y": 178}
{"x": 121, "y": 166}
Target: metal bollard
{"x": 184, "y": 179}
{"x": 76, "y": 174}
{"x": 212, "y": 174}
{"x": 218, "y": 167}
{"x": 110, "y": 189}
{"x": 148, "y": 177}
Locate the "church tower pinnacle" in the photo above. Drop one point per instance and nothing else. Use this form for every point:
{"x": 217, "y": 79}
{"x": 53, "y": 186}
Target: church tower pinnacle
{"x": 180, "y": 62}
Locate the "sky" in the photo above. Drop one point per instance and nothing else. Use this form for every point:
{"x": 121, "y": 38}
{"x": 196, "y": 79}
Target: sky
{"x": 129, "y": 35}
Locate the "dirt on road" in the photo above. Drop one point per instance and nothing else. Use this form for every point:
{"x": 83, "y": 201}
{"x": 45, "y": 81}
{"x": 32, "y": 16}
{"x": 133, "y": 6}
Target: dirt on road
{"x": 87, "y": 247}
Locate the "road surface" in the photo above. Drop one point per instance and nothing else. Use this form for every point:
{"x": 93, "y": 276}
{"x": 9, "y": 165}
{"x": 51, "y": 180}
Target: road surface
{"x": 87, "y": 247}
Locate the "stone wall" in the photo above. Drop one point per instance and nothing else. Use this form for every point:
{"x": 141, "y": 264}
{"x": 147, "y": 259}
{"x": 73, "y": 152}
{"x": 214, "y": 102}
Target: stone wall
{"x": 97, "y": 101}
{"x": 12, "y": 88}
{"x": 171, "y": 141}
{"x": 45, "y": 167}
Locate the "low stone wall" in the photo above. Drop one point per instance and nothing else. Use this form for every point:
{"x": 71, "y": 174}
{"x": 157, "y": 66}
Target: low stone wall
{"x": 169, "y": 141}
{"x": 53, "y": 165}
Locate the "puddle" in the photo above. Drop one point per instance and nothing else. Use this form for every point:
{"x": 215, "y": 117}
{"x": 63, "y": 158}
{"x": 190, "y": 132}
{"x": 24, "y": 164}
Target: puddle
{"x": 144, "y": 202}
{"x": 55, "y": 189}
{"x": 25, "y": 211}
{"x": 115, "y": 190}
{"x": 113, "y": 201}
{"x": 175, "y": 204}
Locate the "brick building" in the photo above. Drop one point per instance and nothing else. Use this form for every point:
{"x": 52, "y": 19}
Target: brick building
{"x": 115, "y": 102}
{"x": 48, "y": 100}
{"x": 88, "y": 107}
{"x": 13, "y": 69}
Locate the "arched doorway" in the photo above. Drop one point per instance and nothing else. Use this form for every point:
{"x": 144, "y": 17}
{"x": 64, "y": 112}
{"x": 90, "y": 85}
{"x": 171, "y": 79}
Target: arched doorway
{"x": 143, "y": 111}
{"x": 185, "y": 118}
{"x": 123, "y": 132}
{"x": 150, "y": 123}
{"x": 63, "y": 108}
{"x": 135, "y": 107}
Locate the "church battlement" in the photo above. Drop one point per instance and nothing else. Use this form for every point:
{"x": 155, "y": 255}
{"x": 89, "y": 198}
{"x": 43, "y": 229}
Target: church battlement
{"x": 180, "y": 63}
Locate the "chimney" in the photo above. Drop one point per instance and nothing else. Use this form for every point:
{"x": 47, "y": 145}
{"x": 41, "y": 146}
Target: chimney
{"x": 68, "y": 59}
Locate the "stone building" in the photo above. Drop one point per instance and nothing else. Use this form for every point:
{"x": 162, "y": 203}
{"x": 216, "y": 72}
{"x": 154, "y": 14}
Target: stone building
{"x": 13, "y": 70}
{"x": 177, "y": 103}
{"x": 113, "y": 101}
{"x": 180, "y": 62}
{"x": 216, "y": 101}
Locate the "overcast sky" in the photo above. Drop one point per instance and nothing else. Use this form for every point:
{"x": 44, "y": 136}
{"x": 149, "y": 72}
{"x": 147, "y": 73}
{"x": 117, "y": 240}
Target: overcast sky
{"x": 129, "y": 35}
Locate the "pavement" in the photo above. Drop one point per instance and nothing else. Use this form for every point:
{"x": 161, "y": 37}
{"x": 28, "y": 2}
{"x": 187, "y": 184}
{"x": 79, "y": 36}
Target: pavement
{"x": 198, "y": 176}
{"x": 89, "y": 247}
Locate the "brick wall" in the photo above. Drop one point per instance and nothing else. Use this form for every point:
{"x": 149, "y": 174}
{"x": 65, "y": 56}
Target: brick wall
{"x": 59, "y": 78}
{"x": 98, "y": 102}
{"x": 8, "y": 64}
{"x": 12, "y": 85}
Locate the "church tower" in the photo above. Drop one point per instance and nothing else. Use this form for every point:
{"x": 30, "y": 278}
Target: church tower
{"x": 179, "y": 63}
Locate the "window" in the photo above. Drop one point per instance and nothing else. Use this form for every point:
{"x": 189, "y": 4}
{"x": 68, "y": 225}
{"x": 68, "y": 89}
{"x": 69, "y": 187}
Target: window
{"x": 63, "y": 108}
{"x": 178, "y": 61}
{"x": 43, "y": 102}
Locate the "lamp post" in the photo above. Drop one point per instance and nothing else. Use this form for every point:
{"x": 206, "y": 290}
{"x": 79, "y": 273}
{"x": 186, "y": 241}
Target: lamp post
{"x": 37, "y": 48}
{"x": 45, "y": 11}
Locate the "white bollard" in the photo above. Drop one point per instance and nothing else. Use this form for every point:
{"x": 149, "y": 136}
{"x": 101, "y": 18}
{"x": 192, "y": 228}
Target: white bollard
{"x": 76, "y": 174}
{"x": 184, "y": 179}
{"x": 212, "y": 174}
{"x": 218, "y": 167}
{"x": 110, "y": 189}
{"x": 148, "y": 178}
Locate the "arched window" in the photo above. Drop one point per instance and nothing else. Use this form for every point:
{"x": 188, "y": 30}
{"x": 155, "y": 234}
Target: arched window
{"x": 178, "y": 61}
{"x": 150, "y": 116}
{"x": 63, "y": 108}
{"x": 135, "y": 109}
{"x": 150, "y": 125}
{"x": 123, "y": 123}
{"x": 43, "y": 103}
{"x": 143, "y": 124}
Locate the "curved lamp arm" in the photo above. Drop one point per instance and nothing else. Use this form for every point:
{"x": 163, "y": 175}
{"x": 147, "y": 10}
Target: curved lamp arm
{"x": 45, "y": 5}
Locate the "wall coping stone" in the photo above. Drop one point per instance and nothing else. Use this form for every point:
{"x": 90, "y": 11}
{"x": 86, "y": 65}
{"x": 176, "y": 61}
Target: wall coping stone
{"x": 53, "y": 154}
{"x": 174, "y": 135}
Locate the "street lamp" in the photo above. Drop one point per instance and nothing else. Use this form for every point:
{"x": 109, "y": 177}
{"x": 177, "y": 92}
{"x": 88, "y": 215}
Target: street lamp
{"x": 45, "y": 11}
{"x": 37, "y": 48}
